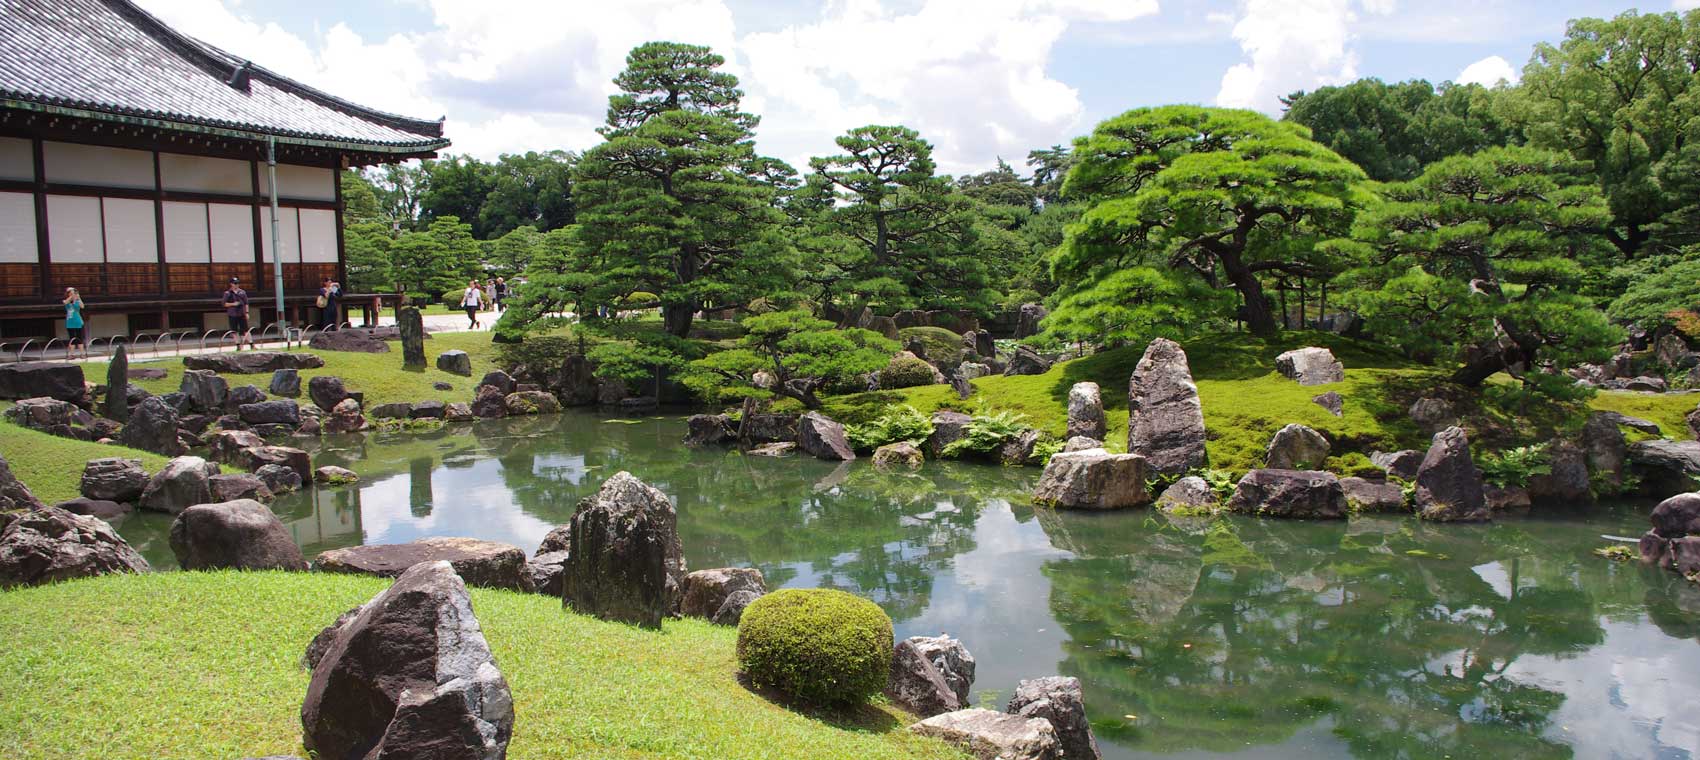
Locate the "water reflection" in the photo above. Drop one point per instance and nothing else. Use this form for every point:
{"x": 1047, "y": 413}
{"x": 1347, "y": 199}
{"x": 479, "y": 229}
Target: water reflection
{"x": 1379, "y": 637}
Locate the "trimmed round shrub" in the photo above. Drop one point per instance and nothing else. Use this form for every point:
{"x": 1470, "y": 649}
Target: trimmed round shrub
{"x": 818, "y": 646}
{"x": 906, "y": 372}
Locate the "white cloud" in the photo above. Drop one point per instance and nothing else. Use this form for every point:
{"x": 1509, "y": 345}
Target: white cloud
{"x": 1685, "y": 5}
{"x": 1488, "y": 72}
{"x": 1293, "y": 45}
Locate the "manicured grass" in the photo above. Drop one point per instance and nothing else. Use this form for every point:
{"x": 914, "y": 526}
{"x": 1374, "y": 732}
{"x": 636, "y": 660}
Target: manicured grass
{"x": 206, "y": 665}
{"x": 52, "y": 467}
{"x": 379, "y": 376}
{"x": 1669, "y": 410}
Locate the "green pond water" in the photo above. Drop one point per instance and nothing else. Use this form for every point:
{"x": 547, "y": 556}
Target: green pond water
{"x": 1378, "y": 637}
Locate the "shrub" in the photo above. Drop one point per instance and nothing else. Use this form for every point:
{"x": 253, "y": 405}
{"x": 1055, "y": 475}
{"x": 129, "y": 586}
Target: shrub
{"x": 819, "y": 646}
{"x": 1514, "y": 467}
{"x": 986, "y": 433}
{"x": 906, "y": 372}
{"x": 904, "y": 423}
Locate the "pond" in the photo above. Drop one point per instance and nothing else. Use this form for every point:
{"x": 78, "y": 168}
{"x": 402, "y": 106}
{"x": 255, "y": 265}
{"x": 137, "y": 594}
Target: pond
{"x": 1378, "y": 637}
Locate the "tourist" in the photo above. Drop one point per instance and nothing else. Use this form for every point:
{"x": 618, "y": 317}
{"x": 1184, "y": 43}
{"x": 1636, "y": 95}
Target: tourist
{"x": 501, "y": 294}
{"x": 329, "y": 291}
{"x": 471, "y": 300}
{"x": 74, "y": 323}
{"x": 236, "y": 308}
{"x": 489, "y": 294}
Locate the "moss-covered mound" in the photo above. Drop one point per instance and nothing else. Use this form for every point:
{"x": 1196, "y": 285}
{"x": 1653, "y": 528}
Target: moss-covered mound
{"x": 206, "y": 665}
{"x": 818, "y": 646}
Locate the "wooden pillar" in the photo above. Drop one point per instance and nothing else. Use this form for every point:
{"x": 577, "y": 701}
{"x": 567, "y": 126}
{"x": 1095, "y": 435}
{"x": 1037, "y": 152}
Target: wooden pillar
{"x": 159, "y": 228}
{"x": 43, "y": 250}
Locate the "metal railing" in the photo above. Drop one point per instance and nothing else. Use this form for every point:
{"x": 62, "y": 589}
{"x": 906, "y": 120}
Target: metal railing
{"x": 155, "y": 345}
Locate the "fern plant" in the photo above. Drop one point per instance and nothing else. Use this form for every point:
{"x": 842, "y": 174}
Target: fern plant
{"x": 904, "y": 423}
{"x": 987, "y": 432}
{"x": 1514, "y": 467}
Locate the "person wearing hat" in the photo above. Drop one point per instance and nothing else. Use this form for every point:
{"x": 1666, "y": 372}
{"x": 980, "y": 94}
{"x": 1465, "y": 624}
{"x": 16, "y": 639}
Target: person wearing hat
{"x": 236, "y": 308}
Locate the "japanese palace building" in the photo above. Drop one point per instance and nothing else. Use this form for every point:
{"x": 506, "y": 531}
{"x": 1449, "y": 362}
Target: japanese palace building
{"x": 133, "y": 168}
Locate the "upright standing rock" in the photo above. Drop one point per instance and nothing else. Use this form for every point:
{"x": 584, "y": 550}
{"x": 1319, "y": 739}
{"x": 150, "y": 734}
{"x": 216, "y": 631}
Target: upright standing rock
{"x": 286, "y": 382}
{"x": 1296, "y": 447}
{"x": 1060, "y": 701}
{"x": 153, "y": 428}
{"x": 625, "y": 563}
{"x": 410, "y": 676}
{"x": 1605, "y": 447}
{"x": 182, "y": 483}
{"x": 117, "y": 405}
{"x": 1086, "y": 411}
{"x": 823, "y": 438}
{"x": 1028, "y": 319}
{"x": 326, "y": 391}
{"x": 1165, "y": 422}
{"x": 205, "y": 389}
{"x": 412, "y": 327}
{"x": 13, "y": 493}
{"x": 1449, "y": 487}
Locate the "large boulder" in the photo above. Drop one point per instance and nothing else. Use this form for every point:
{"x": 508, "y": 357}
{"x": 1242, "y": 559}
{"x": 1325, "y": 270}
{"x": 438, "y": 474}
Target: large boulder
{"x": 501, "y": 380}
{"x": 394, "y": 410}
{"x": 1086, "y": 411}
{"x": 152, "y": 427}
{"x": 356, "y": 341}
{"x": 1371, "y": 496}
{"x": 280, "y": 412}
{"x": 60, "y": 380}
{"x": 253, "y": 362}
{"x": 345, "y": 418}
{"x": 286, "y": 382}
{"x": 429, "y": 409}
{"x": 548, "y": 572}
{"x": 705, "y": 591}
{"x": 822, "y": 437}
{"x": 113, "y": 479}
{"x": 50, "y": 416}
{"x": 1449, "y": 487}
{"x": 948, "y": 428}
{"x": 242, "y": 534}
{"x": 481, "y": 563}
{"x": 1605, "y": 448}
{"x": 48, "y": 544}
{"x": 1670, "y": 351}
{"x": 1029, "y": 315}
{"x": 988, "y": 735}
{"x": 521, "y": 403}
{"x": 1093, "y": 479}
{"x": 455, "y": 362}
{"x": 1677, "y": 516}
{"x": 13, "y": 493}
{"x": 1165, "y": 419}
{"x": 709, "y": 429}
{"x": 326, "y": 391}
{"x": 278, "y": 478}
{"x": 1399, "y": 464}
{"x": 1026, "y": 361}
{"x": 105, "y": 510}
{"x": 626, "y": 563}
{"x": 243, "y": 395}
{"x": 1301, "y": 494}
{"x": 1310, "y": 366}
{"x": 182, "y": 483}
{"x": 1633, "y": 423}
{"x": 410, "y": 676}
{"x": 255, "y": 457}
{"x": 205, "y": 390}
{"x": 1059, "y": 700}
{"x": 226, "y": 446}
{"x": 1566, "y": 479}
{"x": 232, "y": 486}
{"x": 1296, "y": 447}
{"x": 1190, "y": 494}
{"x": 489, "y": 402}
{"x": 918, "y": 682}
{"x": 1666, "y": 457}
{"x": 900, "y": 455}
{"x": 117, "y": 406}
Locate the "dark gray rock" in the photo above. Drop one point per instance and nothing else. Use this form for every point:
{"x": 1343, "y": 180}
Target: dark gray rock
{"x": 1296, "y": 447}
{"x": 1399, "y": 464}
{"x": 1165, "y": 419}
{"x": 147, "y": 373}
{"x": 948, "y": 428}
{"x": 326, "y": 636}
{"x": 1670, "y": 351}
{"x": 1647, "y": 384}
{"x": 412, "y": 327}
{"x": 951, "y": 659}
{"x": 917, "y": 685}
{"x": 1086, "y": 411}
{"x": 427, "y": 410}
{"x": 239, "y": 534}
{"x": 286, "y": 382}
{"x": 50, "y": 416}
{"x": 47, "y": 544}
{"x": 442, "y": 386}
{"x": 1189, "y": 494}
{"x": 395, "y": 410}
{"x": 355, "y": 341}
{"x": 326, "y": 391}
{"x": 989, "y": 735}
{"x": 133, "y": 395}
{"x": 1449, "y": 487}
{"x": 345, "y": 418}
{"x": 1026, "y": 361}
{"x": 1332, "y": 401}
{"x": 1373, "y": 496}
{"x": 226, "y": 446}
{"x": 502, "y": 380}
{"x": 1567, "y": 479}
{"x": 1059, "y": 700}
{"x": 458, "y": 412}
{"x": 1677, "y": 516}
{"x": 331, "y": 474}
{"x": 1693, "y": 420}
{"x": 280, "y": 412}
{"x": 13, "y": 493}
{"x": 900, "y": 455}
{"x": 709, "y": 430}
{"x": 279, "y": 479}
{"x": 244, "y": 394}
{"x": 490, "y": 402}
{"x": 205, "y": 389}
{"x": 233, "y": 486}
{"x": 58, "y": 380}
{"x": 105, "y": 510}
{"x": 1028, "y": 319}
{"x": 1300, "y": 494}
{"x": 455, "y": 362}
{"x": 113, "y": 479}
{"x": 768, "y": 428}
{"x": 481, "y": 563}
{"x": 1019, "y": 450}
{"x": 1680, "y": 458}
{"x": 410, "y": 676}
{"x": 1633, "y": 423}
{"x": 1093, "y": 479}
{"x": 255, "y": 457}
{"x": 558, "y": 539}
{"x": 821, "y": 437}
{"x": 1310, "y": 366}
{"x": 548, "y": 572}
{"x": 182, "y": 483}
{"x": 626, "y": 562}
{"x": 732, "y": 610}
{"x": 117, "y": 405}
{"x": 705, "y": 591}
{"x": 574, "y": 382}
{"x": 152, "y": 427}
{"x": 1605, "y": 448}
{"x": 980, "y": 342}
{"x": 521, "y": 403}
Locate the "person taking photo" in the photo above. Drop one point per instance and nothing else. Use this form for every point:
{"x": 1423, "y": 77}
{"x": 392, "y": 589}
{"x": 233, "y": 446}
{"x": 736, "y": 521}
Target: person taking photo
{"x": 74, "y": 328}
{"x": 236, "y": 308}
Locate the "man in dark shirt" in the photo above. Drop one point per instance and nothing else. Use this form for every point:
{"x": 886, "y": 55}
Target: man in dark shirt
{"x": 236, "y": 308}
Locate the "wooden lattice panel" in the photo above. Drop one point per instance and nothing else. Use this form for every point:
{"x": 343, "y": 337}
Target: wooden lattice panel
{"x": 20, "y": 280}
{"x": 223, "y": 272}
{"x": 132, "y": 279}
{"x": 88, "y": 279}
{"x": 191, "y": 279}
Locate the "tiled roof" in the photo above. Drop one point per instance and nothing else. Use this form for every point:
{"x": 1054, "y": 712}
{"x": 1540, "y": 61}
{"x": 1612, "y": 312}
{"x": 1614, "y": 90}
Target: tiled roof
{"x": 111, "y": 57}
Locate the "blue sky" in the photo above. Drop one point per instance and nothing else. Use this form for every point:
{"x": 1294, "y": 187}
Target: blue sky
{"x": 980, "y": 78}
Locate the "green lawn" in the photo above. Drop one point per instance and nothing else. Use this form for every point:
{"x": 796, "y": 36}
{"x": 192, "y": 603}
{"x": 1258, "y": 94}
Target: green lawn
{"x": 205, "y": 665}
{"x": 52, "y": 467}
{"x": 380, "y": 376}
{"x": 1669, "y": 410}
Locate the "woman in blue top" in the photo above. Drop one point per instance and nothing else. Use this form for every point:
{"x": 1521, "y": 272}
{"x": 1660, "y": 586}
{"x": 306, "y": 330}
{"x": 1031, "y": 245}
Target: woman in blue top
{"x": 74, "y": 322}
